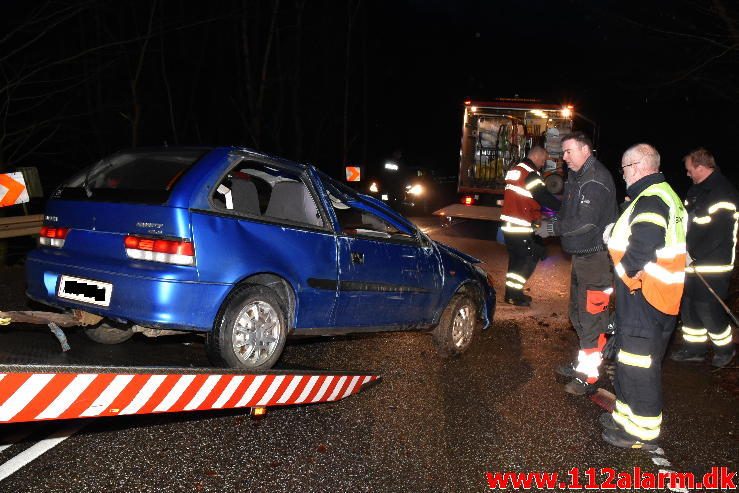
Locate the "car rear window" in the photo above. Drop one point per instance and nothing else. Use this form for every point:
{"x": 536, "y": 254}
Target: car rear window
{"x": 132, "y": 176}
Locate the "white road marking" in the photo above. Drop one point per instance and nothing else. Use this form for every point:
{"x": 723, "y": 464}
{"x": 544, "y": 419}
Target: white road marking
{"x": 10, "y": 440}
{"x": 35, "y": 451}
{"x": 667, "y": 486}
{"x": 661, "y": 461}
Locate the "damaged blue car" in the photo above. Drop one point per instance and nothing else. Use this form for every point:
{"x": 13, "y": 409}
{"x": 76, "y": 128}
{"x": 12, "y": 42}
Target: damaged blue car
{"x": 248, "y": 249}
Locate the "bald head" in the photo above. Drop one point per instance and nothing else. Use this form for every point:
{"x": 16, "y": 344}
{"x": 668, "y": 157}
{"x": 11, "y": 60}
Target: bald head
{"x": 538, "y": 155}
{"x": 639, "y": 161}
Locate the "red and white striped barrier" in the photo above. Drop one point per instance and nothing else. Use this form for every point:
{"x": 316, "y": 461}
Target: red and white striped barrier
{"x": 41, "y": 396}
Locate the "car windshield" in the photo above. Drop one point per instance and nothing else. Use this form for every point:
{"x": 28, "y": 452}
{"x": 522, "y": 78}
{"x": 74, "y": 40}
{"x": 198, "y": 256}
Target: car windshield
{"x": 338, "y": 190}
{"x": 139, "y": 176}
{"x": 340, "y": 193}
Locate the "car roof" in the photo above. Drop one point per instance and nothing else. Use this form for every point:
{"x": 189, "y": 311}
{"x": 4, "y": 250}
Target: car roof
{"x": 295, "y": 166}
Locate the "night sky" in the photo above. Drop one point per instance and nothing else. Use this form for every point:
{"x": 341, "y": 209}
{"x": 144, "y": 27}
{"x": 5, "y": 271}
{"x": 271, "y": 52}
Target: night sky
{"x": 358, "y": 81}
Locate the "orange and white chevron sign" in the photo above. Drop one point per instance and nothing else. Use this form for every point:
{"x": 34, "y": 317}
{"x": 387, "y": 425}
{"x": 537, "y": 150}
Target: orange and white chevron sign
{"x": 48, "y": 396}
{"x": 12, "y": 189}
{"x": 353, "y": 173}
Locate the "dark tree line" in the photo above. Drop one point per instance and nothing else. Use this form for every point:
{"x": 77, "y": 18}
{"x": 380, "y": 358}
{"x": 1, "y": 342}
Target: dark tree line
{"x": 81, "y": 78}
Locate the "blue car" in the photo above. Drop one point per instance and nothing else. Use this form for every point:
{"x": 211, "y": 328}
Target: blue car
{"x": 248, "y": 249}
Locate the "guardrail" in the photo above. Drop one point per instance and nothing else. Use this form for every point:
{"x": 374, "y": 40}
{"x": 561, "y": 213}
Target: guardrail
{"x": 11, "y": 227}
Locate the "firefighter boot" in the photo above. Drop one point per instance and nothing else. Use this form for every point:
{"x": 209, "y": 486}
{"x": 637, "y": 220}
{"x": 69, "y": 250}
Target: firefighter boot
{"x": 517, "y": 298}
{"x": 568, "y": 370}
{"x": 577, "y": 386}
{"x": 689, "y": 353}
{"x": 722, "y": 356}
{"x": 619, "y": 438}
{"x": 607, "y": 422}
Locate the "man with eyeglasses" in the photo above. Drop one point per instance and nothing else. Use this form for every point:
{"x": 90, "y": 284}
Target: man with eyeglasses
{"x": 588, "y": 208}
{"x": 712, "y": 233}
{"x": 647, "y": 245}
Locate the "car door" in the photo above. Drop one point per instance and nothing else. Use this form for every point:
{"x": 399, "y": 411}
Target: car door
{"x": 387, "y": 276}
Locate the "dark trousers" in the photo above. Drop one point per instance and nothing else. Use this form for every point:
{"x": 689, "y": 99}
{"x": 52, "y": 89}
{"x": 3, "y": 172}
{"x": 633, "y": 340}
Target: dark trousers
{"x": 703, "y": 317}
{"x": 642, "y": 336}
{"x": 590, "y": 278}
{"x": 524, "y": 252}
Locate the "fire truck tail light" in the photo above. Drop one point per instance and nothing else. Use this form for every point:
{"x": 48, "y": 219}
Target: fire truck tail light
{"x": 178, "y": 252}
{"x": 52, "y": 236}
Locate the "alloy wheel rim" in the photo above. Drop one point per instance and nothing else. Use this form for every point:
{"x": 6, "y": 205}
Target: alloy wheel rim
{"x": 256, "y": 333}
{"x": 462, "y": 326}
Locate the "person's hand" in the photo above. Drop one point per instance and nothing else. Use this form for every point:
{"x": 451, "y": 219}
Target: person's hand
{"x": 543, "y": 229}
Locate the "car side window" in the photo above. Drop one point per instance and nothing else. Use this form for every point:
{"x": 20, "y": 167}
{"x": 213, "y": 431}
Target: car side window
{"x": 260, "y": 190}
{"x": 358, "y": 222}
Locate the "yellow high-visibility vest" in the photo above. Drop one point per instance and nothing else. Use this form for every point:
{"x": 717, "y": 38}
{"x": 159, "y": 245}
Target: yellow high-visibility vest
{"x": 662, "y": 281}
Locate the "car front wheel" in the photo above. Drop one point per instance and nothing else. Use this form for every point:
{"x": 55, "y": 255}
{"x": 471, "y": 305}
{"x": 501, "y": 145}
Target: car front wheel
{"x": 251, "y": 331}
{"x": 457, "y": 326}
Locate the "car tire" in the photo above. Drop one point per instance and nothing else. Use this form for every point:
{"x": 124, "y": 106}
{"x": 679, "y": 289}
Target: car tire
{"x": 554, "y": 183}
{"x": 457, "y": 327}
{"x": 250, "y": 332}
{"x": 109, "y": 334}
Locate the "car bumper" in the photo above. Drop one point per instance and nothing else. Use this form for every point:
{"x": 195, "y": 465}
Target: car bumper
{"x": 148, "y": 301}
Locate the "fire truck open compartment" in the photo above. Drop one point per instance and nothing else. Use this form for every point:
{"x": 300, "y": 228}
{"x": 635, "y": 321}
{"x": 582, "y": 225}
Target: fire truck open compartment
{"x": 497, "y": 135}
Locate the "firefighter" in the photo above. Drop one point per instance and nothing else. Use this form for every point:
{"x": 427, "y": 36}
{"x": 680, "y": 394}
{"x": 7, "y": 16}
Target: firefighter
{"x": 647, "y": 245}
{"x": 588, "y": 207}
{"x": 524, "y": 195}
{"x": 712, "y": 230}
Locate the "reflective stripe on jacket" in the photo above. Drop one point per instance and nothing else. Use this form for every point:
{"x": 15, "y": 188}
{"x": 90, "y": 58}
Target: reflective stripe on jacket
{"x": 713, "y": 223}
{"x": 520, "y": 210}
{"x": 663, "y": 276}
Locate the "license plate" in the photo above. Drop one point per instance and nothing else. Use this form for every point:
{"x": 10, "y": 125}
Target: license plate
{"x": 85, "y": 290}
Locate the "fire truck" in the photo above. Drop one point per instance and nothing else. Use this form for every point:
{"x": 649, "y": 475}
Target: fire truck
{"x": 496, "y": 136}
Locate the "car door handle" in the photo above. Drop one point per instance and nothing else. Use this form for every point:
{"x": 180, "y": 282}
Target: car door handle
{"x": 357, "y": 258}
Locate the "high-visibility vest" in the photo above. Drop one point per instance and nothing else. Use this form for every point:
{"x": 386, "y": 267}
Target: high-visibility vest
{"x": 662, "y": 281}
{"x": 520, "y": 210}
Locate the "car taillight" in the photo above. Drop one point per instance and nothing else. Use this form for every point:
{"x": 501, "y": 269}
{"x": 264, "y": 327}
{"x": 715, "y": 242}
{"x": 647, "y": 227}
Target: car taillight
{"x": 468, "y": 200}
{"x": 178, "y": 252}
{"x": 53, "y": 236}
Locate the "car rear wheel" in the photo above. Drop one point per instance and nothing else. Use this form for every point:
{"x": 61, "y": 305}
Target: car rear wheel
{"x": 457, "y": 326}
{"x": 250, "y": 332}
{"x": 109, "y": 334}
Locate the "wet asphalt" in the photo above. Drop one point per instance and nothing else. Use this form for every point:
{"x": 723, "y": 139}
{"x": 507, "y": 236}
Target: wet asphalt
{"x": 429, "y": 425}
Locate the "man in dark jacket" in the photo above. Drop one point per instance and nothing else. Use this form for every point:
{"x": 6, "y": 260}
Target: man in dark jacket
{"x": 712, "y": 232}
{"x": 647, "y": 246}
{"x": 525, "y": 194}
{"x": 588, "y": 209}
